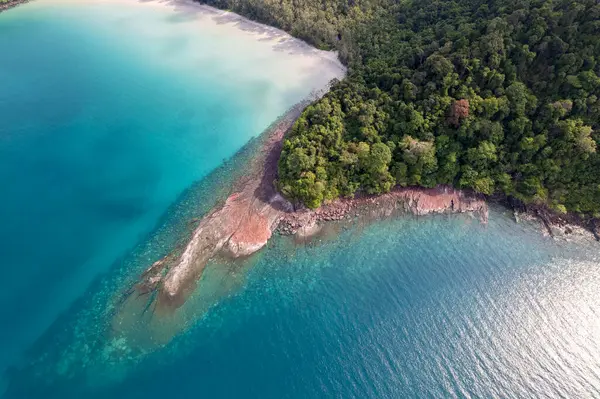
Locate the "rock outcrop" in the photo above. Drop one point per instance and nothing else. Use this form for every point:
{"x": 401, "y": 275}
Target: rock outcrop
{"x": 244, "y": 223}
{"x": 239, "y": 227}
{"x": 418, "y": 201}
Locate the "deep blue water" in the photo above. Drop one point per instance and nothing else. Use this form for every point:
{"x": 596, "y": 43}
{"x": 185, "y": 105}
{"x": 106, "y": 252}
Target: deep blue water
{"x": 104, "y": 160}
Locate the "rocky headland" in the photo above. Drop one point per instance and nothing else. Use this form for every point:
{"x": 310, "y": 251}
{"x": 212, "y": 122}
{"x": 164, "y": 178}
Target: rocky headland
{"x": 239, "y": 227}
{"x": 246, "y": 220}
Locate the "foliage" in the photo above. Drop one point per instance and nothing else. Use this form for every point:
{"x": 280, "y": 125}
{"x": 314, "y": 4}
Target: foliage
{"x": 325, "y": 24}
{"x": 494, "y": 95}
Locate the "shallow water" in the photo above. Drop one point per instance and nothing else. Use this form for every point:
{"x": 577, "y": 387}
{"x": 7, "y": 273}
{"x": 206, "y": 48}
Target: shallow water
{"x": 108, "y": 113}
{"x": 406, "y": 307}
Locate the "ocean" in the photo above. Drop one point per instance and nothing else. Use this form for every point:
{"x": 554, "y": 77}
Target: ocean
{"x": 120, "y": 123}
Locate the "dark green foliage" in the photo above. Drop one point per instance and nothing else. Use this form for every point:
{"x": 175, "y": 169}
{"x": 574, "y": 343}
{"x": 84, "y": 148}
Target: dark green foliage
{"x": 494, "y": 95}
{"x": 324, "y": 23}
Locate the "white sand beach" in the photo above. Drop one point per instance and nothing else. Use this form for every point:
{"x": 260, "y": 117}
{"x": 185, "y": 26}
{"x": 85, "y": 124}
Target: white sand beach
{"x": 269, "y": 53}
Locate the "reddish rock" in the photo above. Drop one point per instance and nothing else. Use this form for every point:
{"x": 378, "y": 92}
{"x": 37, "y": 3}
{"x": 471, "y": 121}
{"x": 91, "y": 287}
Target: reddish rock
{"x": 247, "y": 219}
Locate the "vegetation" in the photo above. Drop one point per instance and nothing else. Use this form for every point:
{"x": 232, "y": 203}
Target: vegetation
{"x": 495, "y": 95}
{"x": 322, "y": 23}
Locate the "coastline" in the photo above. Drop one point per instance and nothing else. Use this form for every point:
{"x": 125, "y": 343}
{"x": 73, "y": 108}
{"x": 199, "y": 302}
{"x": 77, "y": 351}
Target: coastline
{"x": 347, "y": 250}
{"x": 245, "y": 222}
{"x": 255, "y": 210}
{"x": 552, "y": 223}
{"x": 278, "y": 80}
{"x": 418, "y": 201}
{"x": 236, "y": 228}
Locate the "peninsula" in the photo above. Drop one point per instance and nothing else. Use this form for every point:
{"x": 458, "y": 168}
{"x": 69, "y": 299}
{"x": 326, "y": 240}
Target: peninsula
{"x": 438, "y": 95}
{"x": 255, "y": 210}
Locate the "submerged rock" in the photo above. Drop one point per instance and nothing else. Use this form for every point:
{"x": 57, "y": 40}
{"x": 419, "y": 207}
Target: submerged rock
{"x": 238, "y": 228}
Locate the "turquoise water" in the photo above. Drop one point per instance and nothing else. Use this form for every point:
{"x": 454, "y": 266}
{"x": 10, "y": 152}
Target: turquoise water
{"x": 105, "y": 158}
{"x": 108, "y": 113}
{"x": 429, "y": 307}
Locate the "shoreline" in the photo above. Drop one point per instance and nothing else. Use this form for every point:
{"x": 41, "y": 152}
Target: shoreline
{"x": 236, "y": 228}
{"x": 417, "y": 201}
{"x": 246, "y": 221}
{"x": 255, "y": 210}
{"x": 552, "y": 223}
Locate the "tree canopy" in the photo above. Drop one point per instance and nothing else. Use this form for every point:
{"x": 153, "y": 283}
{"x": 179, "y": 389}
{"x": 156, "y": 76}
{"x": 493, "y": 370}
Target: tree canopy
{"x": 495, "y": 96}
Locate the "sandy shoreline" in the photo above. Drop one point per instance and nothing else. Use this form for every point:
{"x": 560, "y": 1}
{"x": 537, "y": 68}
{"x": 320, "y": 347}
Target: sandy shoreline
{"x": 227, "y": 22}
{"x": 293, "y": 69}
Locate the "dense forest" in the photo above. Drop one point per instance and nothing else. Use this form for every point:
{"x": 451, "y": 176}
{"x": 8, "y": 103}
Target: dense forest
{"x": 499, "y": 96}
